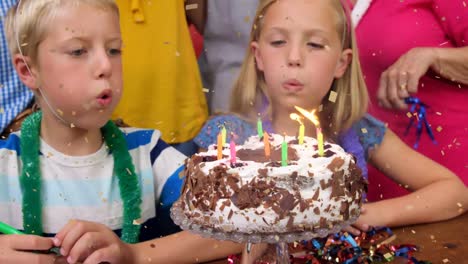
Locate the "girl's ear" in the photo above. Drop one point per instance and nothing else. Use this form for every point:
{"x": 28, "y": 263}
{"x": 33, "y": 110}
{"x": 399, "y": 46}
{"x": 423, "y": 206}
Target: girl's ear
{"x": 256, "y": 53}
{"x": 343, "y": 62}
{"x": 25, "y": 71}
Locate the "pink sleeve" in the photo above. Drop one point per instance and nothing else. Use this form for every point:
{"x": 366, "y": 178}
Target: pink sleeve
{"x": 453, "y": 16}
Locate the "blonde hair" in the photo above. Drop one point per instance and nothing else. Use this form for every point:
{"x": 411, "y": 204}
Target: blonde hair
{"x": 352, "y": 99}
{"x": 27, "y": 22}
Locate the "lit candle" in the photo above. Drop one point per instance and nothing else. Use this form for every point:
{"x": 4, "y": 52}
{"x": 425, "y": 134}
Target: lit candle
{"x": 266, "y": 141}
{"x": 223, "y": 135}
{"x": 232, "y": 146}
{"x": 284, "y": 152}
{"x": 296, "y": 117}
{"x": 220, "y": 146}
{"x": 259, "y": 127}
{"x": 320, "y": 141}
{"x": 312, "y": 117}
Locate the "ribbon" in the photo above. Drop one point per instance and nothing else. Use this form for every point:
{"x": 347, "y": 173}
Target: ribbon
{"x": 418, "y": 113}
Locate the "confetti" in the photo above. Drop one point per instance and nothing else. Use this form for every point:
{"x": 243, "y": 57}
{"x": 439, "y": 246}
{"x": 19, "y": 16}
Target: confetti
{"x": 439, "y": 128}
{"x": 206, "y": 90}
{"x": 191, "y": 7}
{"x": 364, "y": 130}
{"x": 333, "y": 96}
{"x": 412, "y": 231}
{"x": 445, "y": 260}
{"x": 137, "y": 222}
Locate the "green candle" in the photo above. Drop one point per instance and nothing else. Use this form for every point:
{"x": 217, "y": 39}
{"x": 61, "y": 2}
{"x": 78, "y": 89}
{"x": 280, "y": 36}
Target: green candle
{"x": 284, "y": 153}
{"x": 223, "y": 136}
{"x": 9, "y": 230}
{"x": 259, "y": 128}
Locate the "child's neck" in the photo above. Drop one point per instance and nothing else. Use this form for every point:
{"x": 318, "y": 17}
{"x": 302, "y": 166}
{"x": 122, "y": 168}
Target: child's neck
{"x": 70, "y": 141}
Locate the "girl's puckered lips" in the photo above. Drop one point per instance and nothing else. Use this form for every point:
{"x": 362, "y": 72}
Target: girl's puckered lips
{"x": 293, "y": 85}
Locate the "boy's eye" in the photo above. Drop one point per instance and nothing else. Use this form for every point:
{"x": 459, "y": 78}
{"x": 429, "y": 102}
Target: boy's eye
{"x": 115, "y": 51}
{"x": 315, "y": 45}
{"x": 277, "y": 42}
{"x": 77, "y": 52}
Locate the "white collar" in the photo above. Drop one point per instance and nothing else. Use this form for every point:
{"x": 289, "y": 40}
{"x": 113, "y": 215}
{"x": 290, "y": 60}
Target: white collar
{"x": 359, "y": 10}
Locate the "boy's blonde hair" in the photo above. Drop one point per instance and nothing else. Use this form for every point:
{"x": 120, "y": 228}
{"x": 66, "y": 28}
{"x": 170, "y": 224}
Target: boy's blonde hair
{"x": 26, "y": 25}
{"x": 352, "y": 99}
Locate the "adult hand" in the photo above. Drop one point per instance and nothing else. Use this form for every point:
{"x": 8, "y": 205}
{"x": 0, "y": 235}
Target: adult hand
{"x": 91, "y": 242}
{"x": 403, "y": 76}
{"x": 18, "y": 249}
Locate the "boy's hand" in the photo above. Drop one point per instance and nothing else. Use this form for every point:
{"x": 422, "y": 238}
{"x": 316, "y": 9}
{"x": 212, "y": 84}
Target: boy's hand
{"x": 15, "y": 249}
{"x": 91, "y": 242}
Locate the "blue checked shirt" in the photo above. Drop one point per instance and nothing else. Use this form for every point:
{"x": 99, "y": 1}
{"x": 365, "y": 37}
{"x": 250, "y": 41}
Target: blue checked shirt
{"x": 14, "y": 95}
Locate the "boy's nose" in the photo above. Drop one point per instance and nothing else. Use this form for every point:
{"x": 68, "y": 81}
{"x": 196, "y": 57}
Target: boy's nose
{"x": 103, "y": 65}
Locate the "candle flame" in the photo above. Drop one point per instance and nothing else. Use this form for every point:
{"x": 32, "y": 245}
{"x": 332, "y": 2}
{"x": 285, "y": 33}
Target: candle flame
{"x": 309, "y": 115}
{"x": 296, "y": 117}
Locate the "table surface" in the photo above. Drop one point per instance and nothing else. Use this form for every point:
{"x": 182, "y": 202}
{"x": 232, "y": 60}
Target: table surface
{"x": 443, "y": 242}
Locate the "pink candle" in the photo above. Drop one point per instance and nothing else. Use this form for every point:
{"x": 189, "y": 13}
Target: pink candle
{"x": 232, "y": 146}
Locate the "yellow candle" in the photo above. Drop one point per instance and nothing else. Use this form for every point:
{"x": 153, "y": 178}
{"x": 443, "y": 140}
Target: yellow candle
{"x": 223, "y": 137}
{"x": 301, "y": 134}
{"x": 320, "y": 141}
{"x": 220, "y": 146}
{"x": 266, "y": 141}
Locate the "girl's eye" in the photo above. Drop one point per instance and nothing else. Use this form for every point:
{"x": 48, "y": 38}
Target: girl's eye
{"x": 77, "y": 52}
{"x": 115, "y": 52}
{"x": 277, "y": 43}
{"x": 315, "y": 45}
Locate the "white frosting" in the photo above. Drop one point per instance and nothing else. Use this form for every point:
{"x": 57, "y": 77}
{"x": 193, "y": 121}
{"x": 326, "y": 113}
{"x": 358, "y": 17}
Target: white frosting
{"x": 265, "y": 220}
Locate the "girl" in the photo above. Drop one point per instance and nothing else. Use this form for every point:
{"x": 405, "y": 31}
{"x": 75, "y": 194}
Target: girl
{"x": 69, "y": 162}
{"x": 303, "y": 53}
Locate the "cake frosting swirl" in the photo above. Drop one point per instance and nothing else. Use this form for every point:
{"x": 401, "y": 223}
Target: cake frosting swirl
{"x": 256, "y": 195}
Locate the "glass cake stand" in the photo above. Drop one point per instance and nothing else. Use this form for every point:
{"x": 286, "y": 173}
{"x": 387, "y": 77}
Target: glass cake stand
{"x": 280, "y": 239}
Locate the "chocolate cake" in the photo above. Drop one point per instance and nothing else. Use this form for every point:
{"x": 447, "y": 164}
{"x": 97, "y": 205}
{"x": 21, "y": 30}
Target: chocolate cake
{"x": 257, "y": 194}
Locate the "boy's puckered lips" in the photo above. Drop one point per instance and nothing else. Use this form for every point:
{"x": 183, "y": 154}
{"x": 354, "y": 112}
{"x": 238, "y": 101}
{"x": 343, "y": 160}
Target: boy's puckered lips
{"x": 104, "y": 99}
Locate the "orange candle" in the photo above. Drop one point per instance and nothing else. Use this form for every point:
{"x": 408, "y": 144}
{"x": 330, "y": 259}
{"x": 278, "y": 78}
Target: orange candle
{"x": 266, "y": 141}
{"x": 220, "y": 146}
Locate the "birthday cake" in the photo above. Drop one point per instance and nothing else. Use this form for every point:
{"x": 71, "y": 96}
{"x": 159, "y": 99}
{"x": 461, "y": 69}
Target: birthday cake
{"x": 255, "y": 193}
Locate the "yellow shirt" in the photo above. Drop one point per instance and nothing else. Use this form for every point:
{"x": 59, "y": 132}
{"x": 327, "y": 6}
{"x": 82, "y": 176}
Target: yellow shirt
{"x": 162, "y": 85}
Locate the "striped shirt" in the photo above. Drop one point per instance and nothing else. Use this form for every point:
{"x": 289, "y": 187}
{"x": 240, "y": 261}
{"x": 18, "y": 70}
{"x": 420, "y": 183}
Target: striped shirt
{"x": 14, "y": 96}
{"x": 85, "y": 187}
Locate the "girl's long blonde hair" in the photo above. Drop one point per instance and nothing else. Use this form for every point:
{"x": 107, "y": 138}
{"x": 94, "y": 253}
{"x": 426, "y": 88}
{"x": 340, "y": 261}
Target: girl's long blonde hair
{"x": 351, "y": 101}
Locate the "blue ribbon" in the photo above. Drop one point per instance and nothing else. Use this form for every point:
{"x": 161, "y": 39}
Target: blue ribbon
{"x": 418, "y": 109}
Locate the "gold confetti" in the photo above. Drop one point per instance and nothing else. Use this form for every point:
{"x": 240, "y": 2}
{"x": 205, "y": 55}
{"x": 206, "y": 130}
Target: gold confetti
{"x": 438, "y": 113}
{"x": 439, "y": 128}
{"x": 206, "y": 90}
{"x": 137, "y": 222}
{"x": 191, "y": 7}
{"x": 409, "y": 115}
{"x": 86, "y": 139}
{"x": 72, "y": 125}
{"x": 60, "y": 112}
{"x": 2, "y": 110}
{"x": 177, "y": 54}
{"x": 445, "y": 260}
{"x": 332, "y": 97}
{"x": 459, "y": 205}
{"x": 412, "y": 231}
{"x": 364, "y": 130}
{"x": 129, "y": 172}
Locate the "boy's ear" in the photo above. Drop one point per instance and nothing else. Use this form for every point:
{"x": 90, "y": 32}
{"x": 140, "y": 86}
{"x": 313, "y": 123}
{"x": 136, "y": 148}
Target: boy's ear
{"x": 256, "y": 53}
{"x": 25, "y": 71}
{"x": 343, "y": 63}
